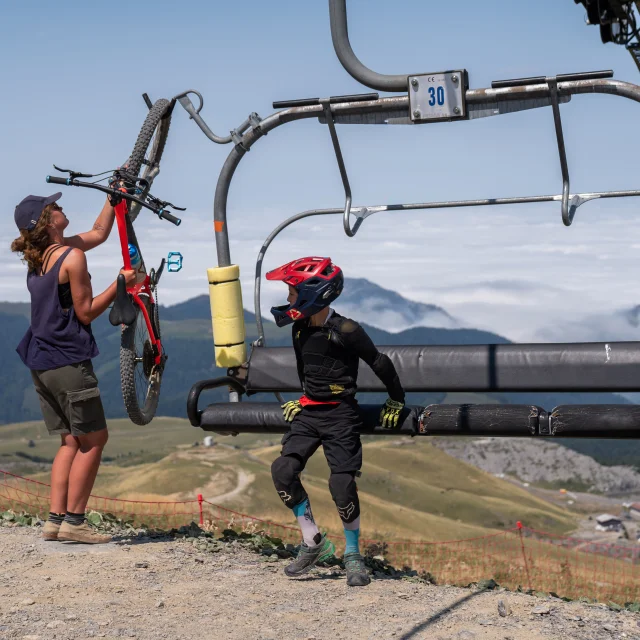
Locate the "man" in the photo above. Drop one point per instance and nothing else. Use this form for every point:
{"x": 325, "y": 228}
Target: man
{"x": 328, "y": 349}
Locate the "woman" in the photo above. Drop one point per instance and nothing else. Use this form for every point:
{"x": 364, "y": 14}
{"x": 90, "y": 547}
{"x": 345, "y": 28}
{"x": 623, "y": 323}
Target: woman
{"x": 58, "y": 348}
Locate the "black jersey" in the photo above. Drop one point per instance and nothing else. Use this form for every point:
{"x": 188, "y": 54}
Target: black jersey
{"x": 328, "y": 358}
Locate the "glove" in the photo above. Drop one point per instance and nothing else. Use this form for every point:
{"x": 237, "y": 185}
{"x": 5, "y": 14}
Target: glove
{"x": 390, "y": 413}
{"x": 291, "y": 409}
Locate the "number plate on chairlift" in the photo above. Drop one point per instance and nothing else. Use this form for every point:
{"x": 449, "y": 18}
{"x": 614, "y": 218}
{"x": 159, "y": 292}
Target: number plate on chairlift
{"x": 438, "y": 96}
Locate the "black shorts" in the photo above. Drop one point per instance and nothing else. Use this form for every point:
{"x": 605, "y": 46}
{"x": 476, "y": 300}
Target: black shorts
{"x": 335, "y": 427}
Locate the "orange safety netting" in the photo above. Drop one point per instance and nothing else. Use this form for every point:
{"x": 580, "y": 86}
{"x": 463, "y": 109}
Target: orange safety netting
{"x": 517, "y": 557}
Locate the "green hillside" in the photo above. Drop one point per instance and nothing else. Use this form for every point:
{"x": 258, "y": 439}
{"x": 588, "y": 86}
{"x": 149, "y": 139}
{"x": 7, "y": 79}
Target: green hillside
{"x": 408, "y": 489}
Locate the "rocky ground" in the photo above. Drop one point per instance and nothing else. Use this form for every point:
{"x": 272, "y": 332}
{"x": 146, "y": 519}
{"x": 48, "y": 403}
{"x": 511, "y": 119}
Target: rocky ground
{"x": 152, "y": 588}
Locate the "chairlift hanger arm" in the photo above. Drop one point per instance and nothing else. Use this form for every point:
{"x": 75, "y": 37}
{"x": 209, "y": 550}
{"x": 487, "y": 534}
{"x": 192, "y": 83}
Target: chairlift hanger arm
{"x": 353, "y": 66}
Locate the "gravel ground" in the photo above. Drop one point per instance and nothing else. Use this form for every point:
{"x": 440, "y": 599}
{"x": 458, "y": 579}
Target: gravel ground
{"x": 162, "y": 588}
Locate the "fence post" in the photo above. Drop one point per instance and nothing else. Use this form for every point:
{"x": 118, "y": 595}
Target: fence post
{"x": 200, "y": 508}
{"x": 524, "y": 555}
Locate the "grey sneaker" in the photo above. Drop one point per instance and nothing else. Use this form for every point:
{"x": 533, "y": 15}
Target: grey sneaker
{"x": 357, "y": 575}
{"x": 308, "y": 557}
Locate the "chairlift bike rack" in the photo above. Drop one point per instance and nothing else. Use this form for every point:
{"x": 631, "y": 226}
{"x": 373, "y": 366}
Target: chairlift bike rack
{"x": 504, "y": 96}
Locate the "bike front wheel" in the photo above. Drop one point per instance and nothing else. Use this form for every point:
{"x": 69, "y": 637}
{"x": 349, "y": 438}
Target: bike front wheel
{"x": 140, "y": 377}
{"x": 144, "y": 160}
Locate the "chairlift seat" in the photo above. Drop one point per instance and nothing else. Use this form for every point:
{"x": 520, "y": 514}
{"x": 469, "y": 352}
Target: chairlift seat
{"x": 472, "y": 368}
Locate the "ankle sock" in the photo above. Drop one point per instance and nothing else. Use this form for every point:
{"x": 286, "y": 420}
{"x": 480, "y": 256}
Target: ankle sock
{"x": 74, "y": 518}
{"x": 352, "y": 536}
{"x": 310, "y": 532}
{"x": 56, "y": 518}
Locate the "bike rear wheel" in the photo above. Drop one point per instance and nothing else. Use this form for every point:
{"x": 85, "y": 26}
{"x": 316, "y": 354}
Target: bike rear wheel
{"x": 144, "y": 160}
{"x": 140, "y": 377}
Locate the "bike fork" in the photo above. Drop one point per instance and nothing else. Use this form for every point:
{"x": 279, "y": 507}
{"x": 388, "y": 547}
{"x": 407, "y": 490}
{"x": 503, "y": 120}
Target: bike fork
{"x": 123, "y": 310}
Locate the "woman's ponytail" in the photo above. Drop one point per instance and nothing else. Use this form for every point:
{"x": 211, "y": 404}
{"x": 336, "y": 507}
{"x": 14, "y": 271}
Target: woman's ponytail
{"x": 31, "y": 244}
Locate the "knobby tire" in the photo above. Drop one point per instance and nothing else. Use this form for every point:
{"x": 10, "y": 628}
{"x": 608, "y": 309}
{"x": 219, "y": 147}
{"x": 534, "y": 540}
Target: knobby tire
{"x": 140, "y": 388}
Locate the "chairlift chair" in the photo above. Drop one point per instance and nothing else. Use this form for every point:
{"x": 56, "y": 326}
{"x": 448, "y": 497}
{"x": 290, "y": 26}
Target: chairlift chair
{"x": 425, "y": 98}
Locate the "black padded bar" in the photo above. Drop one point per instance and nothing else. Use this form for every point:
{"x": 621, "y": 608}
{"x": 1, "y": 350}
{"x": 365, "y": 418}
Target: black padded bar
{"x": 568, "y": 421}
{"x": 438, "y": 419}
{"x": 595, "y": 421}
{"x": 263, "y": 417}
{"x": 480, "y": 419}
{"x": 592, "y": 366}
{"x": 563, "y": 77}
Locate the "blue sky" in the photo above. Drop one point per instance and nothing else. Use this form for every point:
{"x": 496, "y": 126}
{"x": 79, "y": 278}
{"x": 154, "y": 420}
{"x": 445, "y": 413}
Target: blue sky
{"x": 73, "y": 73}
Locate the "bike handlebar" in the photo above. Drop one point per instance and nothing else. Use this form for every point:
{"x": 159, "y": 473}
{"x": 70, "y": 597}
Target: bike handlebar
{"x": 72, "y": 182}
{"x": 56, "y": 180}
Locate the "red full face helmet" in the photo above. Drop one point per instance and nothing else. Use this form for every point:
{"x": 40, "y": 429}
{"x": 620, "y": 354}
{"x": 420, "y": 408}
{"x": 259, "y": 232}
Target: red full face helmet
{"x": 318, "y": 282}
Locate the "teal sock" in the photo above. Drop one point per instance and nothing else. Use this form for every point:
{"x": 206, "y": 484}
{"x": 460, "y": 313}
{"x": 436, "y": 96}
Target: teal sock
{"x": 352, "y": 537}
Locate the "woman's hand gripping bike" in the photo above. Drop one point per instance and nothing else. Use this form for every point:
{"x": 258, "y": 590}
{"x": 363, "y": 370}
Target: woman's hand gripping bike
{"x": 142, "y": 355}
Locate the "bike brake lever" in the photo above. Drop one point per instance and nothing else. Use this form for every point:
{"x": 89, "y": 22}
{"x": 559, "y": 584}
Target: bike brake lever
{"x": 173, "y": 206}
{"x": 156, "y": 202}
{"x": 74, "y": 174}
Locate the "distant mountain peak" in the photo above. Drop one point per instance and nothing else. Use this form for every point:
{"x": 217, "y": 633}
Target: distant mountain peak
{"x": 368, "y": 302}
{"x": 361, "y": 300}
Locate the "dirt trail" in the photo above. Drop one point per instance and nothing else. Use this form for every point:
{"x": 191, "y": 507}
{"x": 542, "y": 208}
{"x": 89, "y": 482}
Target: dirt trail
{"x": 244, "y": 480}
{"x": 152, "y": 590}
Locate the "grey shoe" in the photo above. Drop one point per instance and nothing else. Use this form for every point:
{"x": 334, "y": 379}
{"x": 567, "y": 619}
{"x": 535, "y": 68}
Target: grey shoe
{"x": 308, "y": 557}
{"x": 357, "y": 575}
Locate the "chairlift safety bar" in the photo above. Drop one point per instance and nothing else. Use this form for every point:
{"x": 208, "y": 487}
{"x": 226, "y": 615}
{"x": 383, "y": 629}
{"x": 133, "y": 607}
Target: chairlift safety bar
{"x": 552, "y": 92}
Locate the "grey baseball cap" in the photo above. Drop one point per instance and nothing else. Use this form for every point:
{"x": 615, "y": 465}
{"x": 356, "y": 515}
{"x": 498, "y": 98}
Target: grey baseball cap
{"x": 28, "y": 212}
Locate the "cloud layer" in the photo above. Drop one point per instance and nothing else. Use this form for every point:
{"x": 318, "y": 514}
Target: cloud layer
{"x": 518, "y": 272}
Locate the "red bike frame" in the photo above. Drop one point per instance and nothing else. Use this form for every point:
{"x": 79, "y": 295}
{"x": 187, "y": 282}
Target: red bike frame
{"x": 143, "y": 287}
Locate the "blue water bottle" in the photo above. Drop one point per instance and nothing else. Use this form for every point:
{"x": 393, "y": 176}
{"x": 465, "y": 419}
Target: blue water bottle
{"x": 135, "y": 257}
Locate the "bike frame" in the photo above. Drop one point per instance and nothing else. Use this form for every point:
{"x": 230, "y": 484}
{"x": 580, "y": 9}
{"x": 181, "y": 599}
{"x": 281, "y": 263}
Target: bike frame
{"x": 122, "y": 211}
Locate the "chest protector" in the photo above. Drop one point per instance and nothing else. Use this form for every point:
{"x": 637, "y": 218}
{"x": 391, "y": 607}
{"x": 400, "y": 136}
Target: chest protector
{"x": 330, "y": 369}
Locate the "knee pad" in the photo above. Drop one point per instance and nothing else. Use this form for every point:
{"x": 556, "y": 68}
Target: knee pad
{"x": 345, "y": 494}
{"x": 285, "y": 472}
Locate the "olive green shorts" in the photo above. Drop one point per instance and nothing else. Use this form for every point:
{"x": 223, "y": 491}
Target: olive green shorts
{"x": 70, "y": 399}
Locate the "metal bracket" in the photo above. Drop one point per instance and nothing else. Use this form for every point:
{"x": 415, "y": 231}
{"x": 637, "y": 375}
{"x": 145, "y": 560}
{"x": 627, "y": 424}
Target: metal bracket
{"x": 253, "y": 122}
{"x": 567, "y": 213}
{"x": 236, "y": 138}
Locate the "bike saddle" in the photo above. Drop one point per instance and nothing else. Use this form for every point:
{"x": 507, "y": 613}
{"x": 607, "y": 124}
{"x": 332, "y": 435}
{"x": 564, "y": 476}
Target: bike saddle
{"x": 122, "y": 311}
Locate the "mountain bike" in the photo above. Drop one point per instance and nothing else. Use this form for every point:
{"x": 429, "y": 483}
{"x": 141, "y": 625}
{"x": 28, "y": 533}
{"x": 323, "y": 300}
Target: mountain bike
{"x": 142, "y": 355}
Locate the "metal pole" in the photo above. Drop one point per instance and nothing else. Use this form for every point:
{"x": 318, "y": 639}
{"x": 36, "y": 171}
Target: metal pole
{"x": 348, "y": 59}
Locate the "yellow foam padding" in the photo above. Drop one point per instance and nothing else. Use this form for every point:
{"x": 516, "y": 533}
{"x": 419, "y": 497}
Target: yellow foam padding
{"x": 227, "y": 316}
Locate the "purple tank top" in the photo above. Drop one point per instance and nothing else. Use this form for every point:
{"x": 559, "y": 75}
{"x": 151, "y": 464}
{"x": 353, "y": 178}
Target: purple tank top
{"x": 56, "y": 337}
